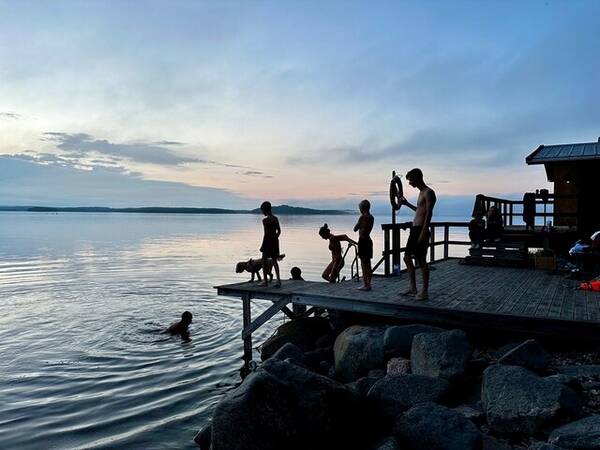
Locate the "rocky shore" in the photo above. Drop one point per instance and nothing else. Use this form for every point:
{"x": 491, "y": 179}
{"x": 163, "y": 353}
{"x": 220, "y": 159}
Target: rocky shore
{"x": 408, "y": 387}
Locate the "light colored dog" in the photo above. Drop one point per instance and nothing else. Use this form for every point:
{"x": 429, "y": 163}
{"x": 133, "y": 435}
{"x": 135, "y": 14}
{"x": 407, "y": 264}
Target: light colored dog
{"x": 254, "y": 266}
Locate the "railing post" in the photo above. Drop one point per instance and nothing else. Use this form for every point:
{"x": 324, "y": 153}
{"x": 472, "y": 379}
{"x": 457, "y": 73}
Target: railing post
{"x": 386, "y": 249}
{"x": 432, "y": 245}
{"x": 247, "y": 319}
{"x": 446, "y": 239}
{"x": 510, "y": 222}
{"x": 396, "y": 247}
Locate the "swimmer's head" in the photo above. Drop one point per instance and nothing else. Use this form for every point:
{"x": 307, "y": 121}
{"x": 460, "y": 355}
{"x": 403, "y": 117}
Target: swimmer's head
{"x": 186, "y": 317}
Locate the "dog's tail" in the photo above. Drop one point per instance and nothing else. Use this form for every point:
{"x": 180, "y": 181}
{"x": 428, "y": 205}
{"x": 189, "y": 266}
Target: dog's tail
{"x": 280, "y": 257}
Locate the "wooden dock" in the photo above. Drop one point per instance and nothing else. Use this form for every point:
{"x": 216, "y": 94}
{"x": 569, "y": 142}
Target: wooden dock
{"x": 519, "y": 300}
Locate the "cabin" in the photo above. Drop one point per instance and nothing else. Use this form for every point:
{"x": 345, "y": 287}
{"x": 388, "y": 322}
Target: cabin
{"x": 574, "y": 169}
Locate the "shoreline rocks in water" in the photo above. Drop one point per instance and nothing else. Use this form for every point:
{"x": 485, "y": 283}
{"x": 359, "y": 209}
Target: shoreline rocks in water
{"x": 407, "y": 387}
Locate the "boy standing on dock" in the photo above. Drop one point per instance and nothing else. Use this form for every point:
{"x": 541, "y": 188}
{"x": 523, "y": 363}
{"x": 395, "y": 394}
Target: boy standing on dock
{"x": 365, "y": 244}
{"x": 270, "y": 243}
{"x": 418, "y": 239}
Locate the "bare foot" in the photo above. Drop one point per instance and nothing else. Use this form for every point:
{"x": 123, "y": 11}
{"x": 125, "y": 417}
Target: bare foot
{"x": 364, "y": 288}
{"x": 409, "y": 293}
{"x": 278, "y": 284}
{"x": 422, "y": 296}
{"x": 263, "y": 284}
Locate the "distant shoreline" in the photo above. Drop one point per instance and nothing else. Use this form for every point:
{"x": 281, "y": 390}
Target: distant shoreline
{"x": 282, "y": 209}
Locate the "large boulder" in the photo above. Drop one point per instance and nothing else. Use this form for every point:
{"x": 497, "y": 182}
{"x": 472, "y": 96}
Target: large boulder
{"x": 395, "y": 394}
{"x": 529, "y": 354}
{"x": 357, "y": 350}
{"x": 303, "y": 333}
{"x": 282, "y": 405}
{"x": 397, "y": 340}
{"x": 430, "y": 426}
{"x": 444, "y": 354}
{"x": 516, "y": 400}
{"x": 581, "y": 435}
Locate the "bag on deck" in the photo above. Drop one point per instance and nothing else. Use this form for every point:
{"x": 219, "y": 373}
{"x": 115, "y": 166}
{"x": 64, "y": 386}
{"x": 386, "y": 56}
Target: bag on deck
{"x": 590, "y": 286}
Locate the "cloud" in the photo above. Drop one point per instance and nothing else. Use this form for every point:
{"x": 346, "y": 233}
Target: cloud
{"x": 254, "y": 173}
{"x": 71, "y": 161}
{"x": 25, "y": 181}
{"x": 9, "y": 116}
{"x": 82, "y": 145}
{"x": 151, "y": 153}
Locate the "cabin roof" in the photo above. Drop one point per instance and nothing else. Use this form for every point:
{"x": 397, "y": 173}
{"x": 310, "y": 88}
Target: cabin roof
{"x": 564, "y": 152}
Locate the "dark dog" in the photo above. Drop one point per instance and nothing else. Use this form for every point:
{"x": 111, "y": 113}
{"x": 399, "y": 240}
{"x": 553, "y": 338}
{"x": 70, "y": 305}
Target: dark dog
{"x": 254, "y": 266}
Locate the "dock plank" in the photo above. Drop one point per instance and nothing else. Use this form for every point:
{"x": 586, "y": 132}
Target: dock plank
{"x": 502, "y": 298}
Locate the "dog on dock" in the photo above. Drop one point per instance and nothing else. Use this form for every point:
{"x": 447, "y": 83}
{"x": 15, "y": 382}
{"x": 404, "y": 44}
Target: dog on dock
{"x": 255, "y": 266}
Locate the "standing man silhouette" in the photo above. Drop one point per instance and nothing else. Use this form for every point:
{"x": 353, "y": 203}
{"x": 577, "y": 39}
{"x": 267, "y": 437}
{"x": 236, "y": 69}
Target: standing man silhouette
{"x": 418, "y": 239}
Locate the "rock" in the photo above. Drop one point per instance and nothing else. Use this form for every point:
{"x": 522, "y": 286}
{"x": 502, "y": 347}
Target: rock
{"x": 363, "y": 385}
{"x": 301, "y": 332}
{"x": 529, "y": 354}
{"x": 430, "y": 426}
{"x": 567, "y": 380}
{"x": 581, "y": 435}
{"x": 389, "y": 443}
{"x": 492, "y": 443}
{"x": 583, "y": 371}
{"x": 472, "y": 412}
{"x": 538, "y": 445}
{"x": 376, "y": 373}
{"x": 289, "y": 350}
{"x": 398, "y": 366}
{"x": 443, "y": 354}
{"x": 283, "y": 406}
{"x": 397, "y": 340}
{"x": 203, "y": 437}
{"x": 395, "y": 394}
{"x": 516, "y": 400}
{"x": 357, "y": 350}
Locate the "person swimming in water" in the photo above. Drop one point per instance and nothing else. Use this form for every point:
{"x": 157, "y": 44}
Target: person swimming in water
{"x": 181, "y": 327}
{"x": 332, "y": 271}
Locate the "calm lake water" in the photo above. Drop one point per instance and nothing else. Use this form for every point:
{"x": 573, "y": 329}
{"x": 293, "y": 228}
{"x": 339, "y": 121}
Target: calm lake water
{"x": 83, "y": 298}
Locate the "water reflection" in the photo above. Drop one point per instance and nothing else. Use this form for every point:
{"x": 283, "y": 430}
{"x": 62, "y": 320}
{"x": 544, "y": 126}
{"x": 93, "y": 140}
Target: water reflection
{"x": 84, "y": 299}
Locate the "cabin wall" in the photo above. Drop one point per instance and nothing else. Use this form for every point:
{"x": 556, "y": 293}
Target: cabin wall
{"x": 589, "y": 197}
{"x": 566, "y": 182}
{"x": 582, "y": 180}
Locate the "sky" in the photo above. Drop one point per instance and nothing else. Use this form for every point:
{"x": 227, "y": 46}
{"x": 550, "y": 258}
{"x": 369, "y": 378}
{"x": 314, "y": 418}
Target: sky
{"x": 198, "y": 103}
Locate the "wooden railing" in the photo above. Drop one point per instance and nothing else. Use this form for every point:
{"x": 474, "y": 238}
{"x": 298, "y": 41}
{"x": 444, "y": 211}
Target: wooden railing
{"x": 512, "y": 209}
{"x": 393, "y": 250}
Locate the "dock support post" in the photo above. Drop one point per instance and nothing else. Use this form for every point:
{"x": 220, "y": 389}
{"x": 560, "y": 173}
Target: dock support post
{"x": 247, "y": 319}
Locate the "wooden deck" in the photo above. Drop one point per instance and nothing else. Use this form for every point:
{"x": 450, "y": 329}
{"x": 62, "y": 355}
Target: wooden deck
{"x": 495, "y": 298}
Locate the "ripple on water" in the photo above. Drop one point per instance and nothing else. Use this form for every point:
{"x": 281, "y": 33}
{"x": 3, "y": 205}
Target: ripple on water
{"x": 84, "y": 363}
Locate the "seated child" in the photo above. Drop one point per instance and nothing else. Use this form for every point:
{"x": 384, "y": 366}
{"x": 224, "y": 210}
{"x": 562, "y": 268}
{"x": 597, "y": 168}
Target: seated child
{"x": 181, "y": 327}
{"x": 495, "y": 225}
{"x": 296, "y": 274}
{"x": 477, "y": 230}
